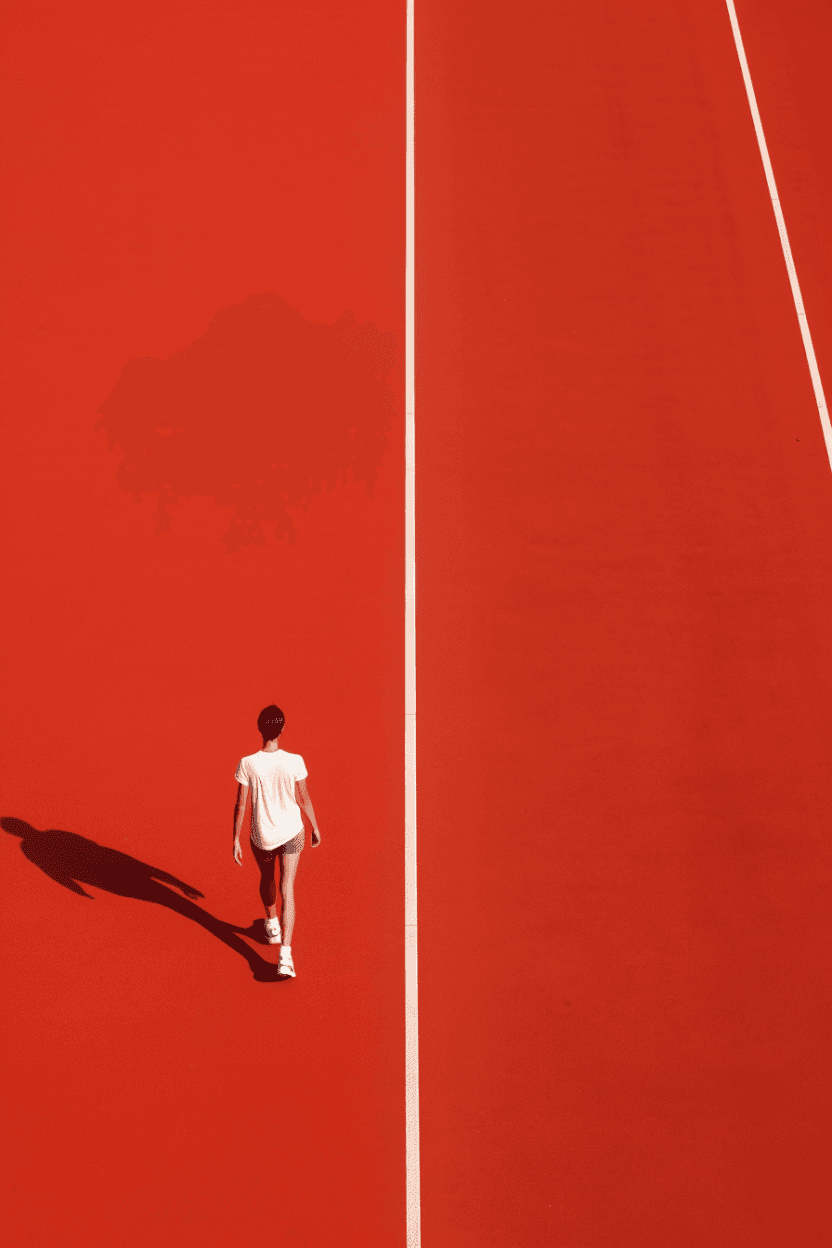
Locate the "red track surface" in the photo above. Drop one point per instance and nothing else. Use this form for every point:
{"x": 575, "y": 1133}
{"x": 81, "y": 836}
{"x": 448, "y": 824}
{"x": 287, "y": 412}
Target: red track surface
{"x": 167, "y": 161}
{"x": 625, "y": 683}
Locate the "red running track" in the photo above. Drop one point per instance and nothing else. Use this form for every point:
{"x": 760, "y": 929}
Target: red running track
{"x": 166, "y": 161}
{"x": 626, "y": 607}
{"x": 625, "y": 682}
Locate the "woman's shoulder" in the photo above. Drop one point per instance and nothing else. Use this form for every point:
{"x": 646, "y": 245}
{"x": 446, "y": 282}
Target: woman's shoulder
{"x": 255, "y": 760}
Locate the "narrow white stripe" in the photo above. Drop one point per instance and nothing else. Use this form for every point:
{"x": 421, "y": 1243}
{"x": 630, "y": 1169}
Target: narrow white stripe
{"x": 411, "y": 975}
{"x": 784, "y": 238}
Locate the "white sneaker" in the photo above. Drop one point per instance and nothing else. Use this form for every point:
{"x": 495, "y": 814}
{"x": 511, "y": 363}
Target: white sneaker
{"x": 273, "y": 931}
{"x": 286, "y": 966}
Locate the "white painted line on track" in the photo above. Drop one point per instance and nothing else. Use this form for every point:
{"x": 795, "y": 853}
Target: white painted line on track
{"x": 820, "y": 398}
{"x": 411, "y": 974}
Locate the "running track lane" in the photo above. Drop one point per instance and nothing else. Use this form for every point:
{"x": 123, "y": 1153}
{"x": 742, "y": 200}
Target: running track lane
{"x": 625, "y": 605}
{"x": 165, "y": 161}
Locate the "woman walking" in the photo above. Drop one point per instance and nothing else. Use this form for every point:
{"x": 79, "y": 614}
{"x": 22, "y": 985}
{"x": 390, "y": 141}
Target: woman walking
{"x": 277, "y": 782}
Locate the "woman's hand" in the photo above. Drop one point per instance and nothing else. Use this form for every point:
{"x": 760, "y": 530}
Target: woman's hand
{"x": 238, "y": 852}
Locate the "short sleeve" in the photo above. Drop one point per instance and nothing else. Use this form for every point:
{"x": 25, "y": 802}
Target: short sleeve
{"x": 300, "y": 769}
{"x": 240, "y": 774}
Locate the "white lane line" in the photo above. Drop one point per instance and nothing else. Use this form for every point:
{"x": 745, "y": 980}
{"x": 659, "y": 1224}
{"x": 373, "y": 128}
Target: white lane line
{"x": 411, "y": 972}
{"x": 820, "y": 398}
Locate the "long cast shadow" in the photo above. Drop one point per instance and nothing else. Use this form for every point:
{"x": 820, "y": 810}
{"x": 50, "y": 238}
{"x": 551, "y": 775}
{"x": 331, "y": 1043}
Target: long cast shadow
{"x": 72, "y": 860}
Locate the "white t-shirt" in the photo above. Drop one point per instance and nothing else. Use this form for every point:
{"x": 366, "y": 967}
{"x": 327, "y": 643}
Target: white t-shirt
{"x": 271, "y": 776}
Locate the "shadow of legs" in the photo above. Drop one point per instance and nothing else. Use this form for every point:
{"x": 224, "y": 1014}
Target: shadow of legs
{"x": 72, "y": 861}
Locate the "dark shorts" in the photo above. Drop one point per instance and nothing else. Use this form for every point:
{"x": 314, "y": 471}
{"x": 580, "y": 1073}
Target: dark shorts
{"x": 264, "y": 856}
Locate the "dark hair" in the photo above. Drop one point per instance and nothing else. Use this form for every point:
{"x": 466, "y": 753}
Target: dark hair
{"x": 270, "y": 721}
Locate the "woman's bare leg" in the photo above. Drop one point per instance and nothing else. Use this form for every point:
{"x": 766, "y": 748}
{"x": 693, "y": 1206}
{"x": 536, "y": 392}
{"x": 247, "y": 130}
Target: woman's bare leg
{"x": 268, "y": 885}
{"x": 288, "y": 870}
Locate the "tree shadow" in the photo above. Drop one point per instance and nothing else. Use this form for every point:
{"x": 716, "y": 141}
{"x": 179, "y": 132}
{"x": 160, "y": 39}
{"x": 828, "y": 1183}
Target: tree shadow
{"x": 262, "y": 412}
{"x": 72, "y": 860}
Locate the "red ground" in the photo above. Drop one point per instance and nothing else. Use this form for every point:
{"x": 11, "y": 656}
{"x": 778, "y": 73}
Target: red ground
{"x": 625, "y": 685}
{"x": 625, "y": 603}
{"x": 164, "y": 162}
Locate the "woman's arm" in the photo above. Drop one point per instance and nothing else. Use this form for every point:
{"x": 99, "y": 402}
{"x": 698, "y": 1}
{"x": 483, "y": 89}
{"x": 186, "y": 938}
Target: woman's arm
{"x": 239, "y": 815}
{"x": 305, "y": 803}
